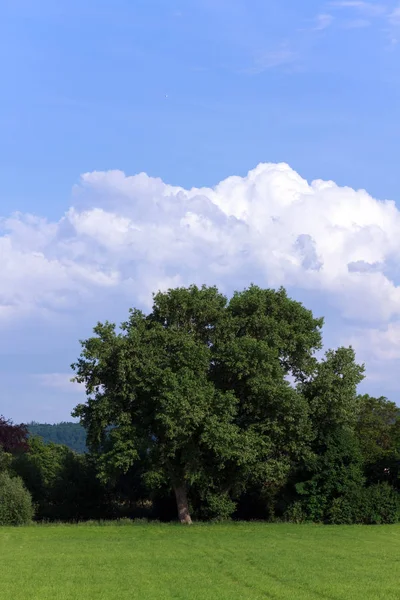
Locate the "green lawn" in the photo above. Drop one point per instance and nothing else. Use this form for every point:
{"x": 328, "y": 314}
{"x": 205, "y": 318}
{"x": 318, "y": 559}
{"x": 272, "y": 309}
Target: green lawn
{"x": 228, "y": 561}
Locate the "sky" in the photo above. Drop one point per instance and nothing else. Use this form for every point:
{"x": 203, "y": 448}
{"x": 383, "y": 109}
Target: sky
{"x": 154, "y": 143}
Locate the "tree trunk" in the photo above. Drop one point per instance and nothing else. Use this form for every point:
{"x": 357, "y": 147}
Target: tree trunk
{"x": 182, "y": 504}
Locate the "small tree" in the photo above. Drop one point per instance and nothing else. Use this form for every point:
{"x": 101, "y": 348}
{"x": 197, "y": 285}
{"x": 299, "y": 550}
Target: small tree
{"x": 15, "y": 501}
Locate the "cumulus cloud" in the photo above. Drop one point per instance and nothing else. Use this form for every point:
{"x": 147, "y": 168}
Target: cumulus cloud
{"x": 38, "y": 269}
{"x": 137, "y": 233}
{"x": 127, "y": 236}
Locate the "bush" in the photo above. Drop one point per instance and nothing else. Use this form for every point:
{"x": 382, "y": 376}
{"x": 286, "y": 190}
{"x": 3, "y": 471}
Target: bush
{"x": 217, "y": 507}
{"x": 295, "y": 513}
{"x": 345, "y": 510}
{"x": 374, "y": 505}
{"x": 381, "y": 504}
{"x": 15, "y": 501}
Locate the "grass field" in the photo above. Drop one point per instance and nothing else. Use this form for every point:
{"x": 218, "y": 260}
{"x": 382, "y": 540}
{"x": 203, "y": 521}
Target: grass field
{"x": 213, "y": 562}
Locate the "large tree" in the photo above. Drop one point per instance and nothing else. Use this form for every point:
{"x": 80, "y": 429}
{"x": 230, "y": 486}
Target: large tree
{"x": 198, "y": 391}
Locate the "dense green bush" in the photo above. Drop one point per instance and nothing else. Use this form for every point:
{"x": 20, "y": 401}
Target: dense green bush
{"x": 296, "y": 513}
{"x": 344, "y": 509}
{"x": 374, "y": 505}
{"x": 382, "y": 504}
{"x": 217, "y": 507}
{"x": 15, "y": 501}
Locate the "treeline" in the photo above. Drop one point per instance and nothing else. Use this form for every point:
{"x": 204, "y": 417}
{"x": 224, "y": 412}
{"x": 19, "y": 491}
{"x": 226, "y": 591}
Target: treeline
{"x": 72, "y": 435}
{"x": 190, "y": 413}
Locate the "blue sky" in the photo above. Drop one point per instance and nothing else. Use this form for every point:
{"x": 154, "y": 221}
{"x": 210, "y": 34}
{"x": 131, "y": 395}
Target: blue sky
{"x": 192, "y": 93}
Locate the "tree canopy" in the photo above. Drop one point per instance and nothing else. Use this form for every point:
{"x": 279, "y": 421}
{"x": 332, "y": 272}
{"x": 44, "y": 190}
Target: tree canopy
{"x": 198, "y": 391}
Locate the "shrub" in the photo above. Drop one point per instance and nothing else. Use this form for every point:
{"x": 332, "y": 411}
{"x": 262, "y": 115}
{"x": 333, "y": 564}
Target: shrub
{"x": 343, "y": 510}
{"x": 374, "y": 505}
{"x": 295, "y": 513}
{"x": 381, "y": 504}
{"x": 15, "y": 501}
{"x": 218, "y": 507}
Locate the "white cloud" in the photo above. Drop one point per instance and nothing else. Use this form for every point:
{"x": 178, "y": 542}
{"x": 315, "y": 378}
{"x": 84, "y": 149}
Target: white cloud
{"x": 60, "y": 382}
{"x": 379, "y": 348}
{"x": 39, "y": 268}
{"x": 280, "y": 57}
{"x": 394, "y": 16}
{"x": 127, "y": 236}
{"x": 356, "y": 24}
{"x": 365, "y": 13}
{"x": 372, "y": 9}
{"x": 286, "y": 231}
{"x": 323, "y": 21}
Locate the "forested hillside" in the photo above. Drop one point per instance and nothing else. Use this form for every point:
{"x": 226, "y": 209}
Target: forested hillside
{"x": 72, "y": 435}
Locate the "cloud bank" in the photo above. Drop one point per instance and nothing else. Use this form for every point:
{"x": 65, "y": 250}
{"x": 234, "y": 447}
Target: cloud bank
{"x": 138, "y": 234}
{"x": 125, "y": 237}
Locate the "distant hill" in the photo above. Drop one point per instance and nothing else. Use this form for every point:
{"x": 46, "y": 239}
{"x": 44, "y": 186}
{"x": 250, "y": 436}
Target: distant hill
{"x": 72, "y": 435}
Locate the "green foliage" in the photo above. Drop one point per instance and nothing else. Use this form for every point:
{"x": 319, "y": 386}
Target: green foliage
{"x": 5, "y": 460}
{"x": 375, "y": 505}
{"x": 378, "y": 428}
{"x": 215, "y": 507}
{"x": 288, "y": 329}
{"x": 72, "y": 435}
{"x": 334, "y": 473}
{"x": 297, "y": 512}
{"x": 381, "y": 505}
{"x": 197, "y": 391}
{"x": 15, "y": 501}
{"x": 335, "y": 465}
{"x": 63, "y": 484}
{"x": 336, "y": 492}
{"x": 332, "y": 393}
